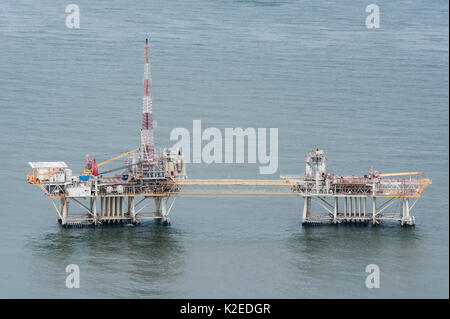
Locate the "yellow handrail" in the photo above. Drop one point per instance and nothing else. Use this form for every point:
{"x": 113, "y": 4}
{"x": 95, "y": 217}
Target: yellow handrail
{"x": 401, "y": 174}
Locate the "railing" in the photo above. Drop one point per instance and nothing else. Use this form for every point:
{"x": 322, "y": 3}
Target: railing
{"x": 327, "y": 187}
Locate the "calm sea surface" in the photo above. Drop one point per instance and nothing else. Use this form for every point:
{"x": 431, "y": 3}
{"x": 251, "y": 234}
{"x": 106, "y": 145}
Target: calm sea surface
{"x": 309, "y": 68}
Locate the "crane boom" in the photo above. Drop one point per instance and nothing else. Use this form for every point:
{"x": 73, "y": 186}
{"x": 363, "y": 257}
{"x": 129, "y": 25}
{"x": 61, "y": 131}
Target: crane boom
{"x": 118, "y": 157}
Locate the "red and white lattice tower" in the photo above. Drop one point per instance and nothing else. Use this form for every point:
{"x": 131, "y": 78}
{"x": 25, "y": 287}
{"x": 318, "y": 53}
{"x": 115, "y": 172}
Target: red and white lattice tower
{"x": 148, "y": 154}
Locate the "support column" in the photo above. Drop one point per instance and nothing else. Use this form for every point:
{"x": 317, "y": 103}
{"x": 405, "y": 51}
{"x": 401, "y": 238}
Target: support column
{"x": 160, "y": 203}
{"x": 365, "y": 206}
{"x": 108, "y": 206}
{"x": 131, "y": 208}
{"x": 345, "y": 206}
{"x": 359, "y": 206}
{"x": 374, "y": 210}
{"x": 351, "y": 206}
{"x": 61, "y": 207}
{"x": 102, "y": 206}
{"x": 404, "y": 213}
{"x": 94, "y": 209}
{"x": 113, "y": 206}
{"x": 157, "y": 206}
{"x": 306, "y": 209}
{"x": 336, "y": 209}
{"x": 65, "y": 211}
{"x": 121, "y": 206}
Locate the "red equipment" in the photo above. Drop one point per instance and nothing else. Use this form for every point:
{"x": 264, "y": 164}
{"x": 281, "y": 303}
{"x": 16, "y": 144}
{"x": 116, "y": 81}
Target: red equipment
{"x": 91, "y": 166}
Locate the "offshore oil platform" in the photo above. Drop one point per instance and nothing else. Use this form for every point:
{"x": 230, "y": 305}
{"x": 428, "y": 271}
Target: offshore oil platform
{"x": 147, "y": 179}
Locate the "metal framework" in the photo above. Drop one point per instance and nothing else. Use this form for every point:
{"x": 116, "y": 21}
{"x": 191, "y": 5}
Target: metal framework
{"x": 357, "y": 200}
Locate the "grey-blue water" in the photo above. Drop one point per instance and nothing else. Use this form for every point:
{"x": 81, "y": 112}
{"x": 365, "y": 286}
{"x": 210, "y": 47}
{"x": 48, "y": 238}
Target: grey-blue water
{"x": 312, "y": 69}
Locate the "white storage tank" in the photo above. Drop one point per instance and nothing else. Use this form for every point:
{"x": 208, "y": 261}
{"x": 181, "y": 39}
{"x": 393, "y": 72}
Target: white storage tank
{"x": 60, "y": 178}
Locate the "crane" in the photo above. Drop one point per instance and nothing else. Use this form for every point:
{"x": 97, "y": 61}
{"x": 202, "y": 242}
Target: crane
{"x": 92, "y": 167}
{"x": 118, "y": 157}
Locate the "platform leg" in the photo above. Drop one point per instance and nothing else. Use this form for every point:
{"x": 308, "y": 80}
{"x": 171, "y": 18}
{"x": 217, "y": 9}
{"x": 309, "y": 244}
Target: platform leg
{"x": 65, "y": 211}
{"x": 61, "y": 207}
{"x": 108, "y": 206}
{"x": 345, "y": 206}
{"x": 336, "y": 209}
{"x": 161, "y": 211}
{"x": 102, "y": 206}
{"x": 359, "y": 206}
{"x": 404, "y": 213}
{"x": 94, "y": 209}
{"x": 365, "y": 206}
{"x": 306, "y": 209}
{"x": 374, "y": 210}
{"x": 113, "y": 206}
{"x": 351, "y": 206}
{"x": 122, "y": 214}
{"x": 131, "y": 209}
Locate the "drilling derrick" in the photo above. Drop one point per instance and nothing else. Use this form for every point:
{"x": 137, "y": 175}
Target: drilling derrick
{"x": 147, "y": 141}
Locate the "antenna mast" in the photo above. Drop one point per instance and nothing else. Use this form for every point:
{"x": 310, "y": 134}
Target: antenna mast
{"x": 147, "y": 142}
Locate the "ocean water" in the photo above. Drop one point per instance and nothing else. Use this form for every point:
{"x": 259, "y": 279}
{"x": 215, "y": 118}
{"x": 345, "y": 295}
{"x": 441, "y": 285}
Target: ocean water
{"x": 312, "y": 69}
